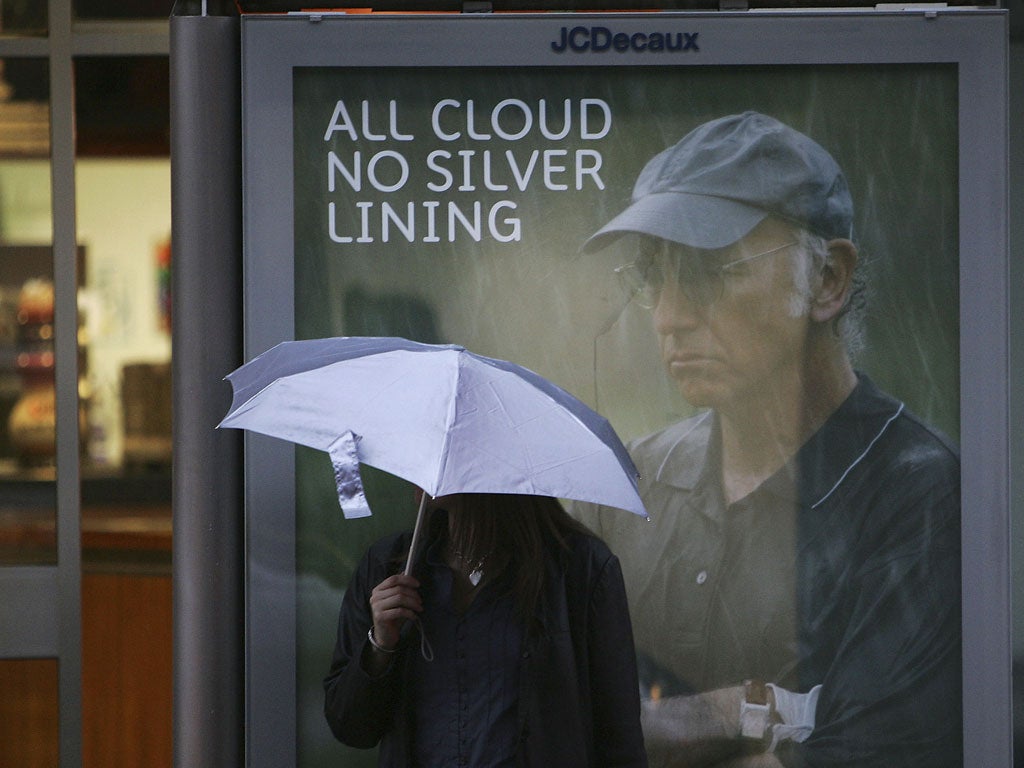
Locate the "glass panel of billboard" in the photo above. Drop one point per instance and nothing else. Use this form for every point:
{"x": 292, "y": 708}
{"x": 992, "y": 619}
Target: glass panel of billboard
{"x": 775, "y": 320}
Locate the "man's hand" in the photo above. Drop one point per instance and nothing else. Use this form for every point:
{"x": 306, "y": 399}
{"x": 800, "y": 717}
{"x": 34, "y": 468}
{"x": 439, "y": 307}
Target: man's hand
{"x": 700, "y": 731}
{"x": 693, "y": 731}
{"x": 760, "y": 760}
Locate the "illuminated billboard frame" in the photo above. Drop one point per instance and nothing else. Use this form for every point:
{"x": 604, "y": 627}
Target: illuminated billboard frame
{"x": 285, "y": 54}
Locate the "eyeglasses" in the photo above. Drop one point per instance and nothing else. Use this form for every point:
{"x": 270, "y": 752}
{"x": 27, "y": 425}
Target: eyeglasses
{"x": 697, "y": 276}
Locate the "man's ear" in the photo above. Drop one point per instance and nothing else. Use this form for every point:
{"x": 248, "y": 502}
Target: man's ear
{"x": 833, "y": 291}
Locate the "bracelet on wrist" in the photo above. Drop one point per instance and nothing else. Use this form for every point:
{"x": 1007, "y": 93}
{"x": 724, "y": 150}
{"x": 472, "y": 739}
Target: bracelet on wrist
{"x": 376, "y": 645}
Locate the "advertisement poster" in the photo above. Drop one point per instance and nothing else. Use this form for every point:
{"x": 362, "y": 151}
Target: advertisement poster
{"x": 451, "y": 205}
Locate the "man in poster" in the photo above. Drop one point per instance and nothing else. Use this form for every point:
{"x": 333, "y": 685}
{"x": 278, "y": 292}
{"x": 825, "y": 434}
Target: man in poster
{"x": 796, "y": 594}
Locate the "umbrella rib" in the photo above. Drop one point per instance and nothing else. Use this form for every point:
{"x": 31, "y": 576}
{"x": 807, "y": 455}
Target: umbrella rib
{"x": 527, "y": 453}
{"x": 449, "y": 418}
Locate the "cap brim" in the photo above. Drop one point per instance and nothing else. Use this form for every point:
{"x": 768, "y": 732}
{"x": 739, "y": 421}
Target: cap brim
{"x": 698, "y": 221}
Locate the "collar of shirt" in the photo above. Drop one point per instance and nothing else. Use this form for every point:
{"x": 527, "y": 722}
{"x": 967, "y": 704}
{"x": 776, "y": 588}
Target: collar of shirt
{"x": 824, "y": 461}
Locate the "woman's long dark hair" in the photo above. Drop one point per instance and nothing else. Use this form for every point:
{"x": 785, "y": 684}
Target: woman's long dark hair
{"x": 513, "y": 532}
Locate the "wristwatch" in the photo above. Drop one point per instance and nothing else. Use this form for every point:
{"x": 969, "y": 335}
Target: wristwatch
{"x": 755, "y": 711}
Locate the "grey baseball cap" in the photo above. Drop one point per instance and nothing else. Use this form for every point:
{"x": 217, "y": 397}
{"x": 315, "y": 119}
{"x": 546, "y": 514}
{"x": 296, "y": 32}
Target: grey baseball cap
{"x": 725, "y": 177}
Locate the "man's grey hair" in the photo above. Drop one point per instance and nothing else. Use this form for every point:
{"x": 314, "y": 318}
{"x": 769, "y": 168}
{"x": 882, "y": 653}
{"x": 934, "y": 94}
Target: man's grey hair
{"x": 848, "y": 325}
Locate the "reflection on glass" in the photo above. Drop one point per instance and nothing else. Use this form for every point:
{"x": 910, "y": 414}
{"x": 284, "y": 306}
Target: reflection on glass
{"x": 122, "y": 9}
{"x": 28, "y": 406}
{"x": 27, "y": 445}
{"x": 123, "y": 174}
{"x": 32, "y": 423}
{"x": 29, "y": 712}
{"x": 125, "y": 318}
{"x": 23, "y": 17}
{"x": 122, "y": 106}
{"x": 794, "y": 501}
{"x": 24, "y": 108}
{"x": 122, "y": 194}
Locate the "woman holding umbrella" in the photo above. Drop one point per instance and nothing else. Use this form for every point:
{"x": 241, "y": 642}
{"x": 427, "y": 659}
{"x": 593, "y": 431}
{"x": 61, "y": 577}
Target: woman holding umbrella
{"x": 508, "y": 644}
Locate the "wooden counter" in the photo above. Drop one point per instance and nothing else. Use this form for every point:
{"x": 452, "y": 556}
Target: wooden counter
{"x": 127, "y": 656}
{"x": 133, "y": 535}
{"x": 127, "y": 516}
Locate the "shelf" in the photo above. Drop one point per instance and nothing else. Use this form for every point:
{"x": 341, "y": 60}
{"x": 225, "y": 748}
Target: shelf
{"x": 26, "y": 487}
{"x": 125, "y": 521}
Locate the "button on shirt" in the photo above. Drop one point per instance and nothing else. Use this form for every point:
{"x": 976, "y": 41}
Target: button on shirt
{"x": 724, "y": 584}
{"x": 466, "y": 696}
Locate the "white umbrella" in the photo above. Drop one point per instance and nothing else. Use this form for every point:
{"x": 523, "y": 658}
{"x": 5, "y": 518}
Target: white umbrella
{"x": 439, "y": 416}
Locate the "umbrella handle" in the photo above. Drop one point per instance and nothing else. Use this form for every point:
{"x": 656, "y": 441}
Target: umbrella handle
{"x": 416, "y": 534}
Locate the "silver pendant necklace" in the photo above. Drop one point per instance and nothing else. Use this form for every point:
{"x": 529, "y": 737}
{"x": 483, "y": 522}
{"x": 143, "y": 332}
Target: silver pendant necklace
{"x": 476, "y": 573}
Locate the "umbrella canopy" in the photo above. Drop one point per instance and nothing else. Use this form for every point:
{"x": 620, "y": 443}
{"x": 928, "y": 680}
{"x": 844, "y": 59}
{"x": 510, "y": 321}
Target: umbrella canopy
{"x": 439, "y": 416}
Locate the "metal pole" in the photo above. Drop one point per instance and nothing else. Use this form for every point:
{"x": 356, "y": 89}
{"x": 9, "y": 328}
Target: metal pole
{"x": 209, "y": 680}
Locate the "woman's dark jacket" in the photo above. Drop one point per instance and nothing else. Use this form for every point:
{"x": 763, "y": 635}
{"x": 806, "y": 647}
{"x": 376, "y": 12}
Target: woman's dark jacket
{"x": 579, "y": 701}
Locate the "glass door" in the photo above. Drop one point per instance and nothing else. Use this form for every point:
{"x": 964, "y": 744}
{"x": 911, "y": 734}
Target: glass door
{"x": 84, "y": 541}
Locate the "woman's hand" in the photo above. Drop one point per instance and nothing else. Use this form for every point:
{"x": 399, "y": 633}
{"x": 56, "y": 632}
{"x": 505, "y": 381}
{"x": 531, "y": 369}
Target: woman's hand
{"x": 392, "y": 602}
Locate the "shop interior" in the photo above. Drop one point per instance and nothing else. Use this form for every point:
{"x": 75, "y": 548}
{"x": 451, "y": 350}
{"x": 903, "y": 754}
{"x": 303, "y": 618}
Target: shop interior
{"x": 122, "y": 224}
